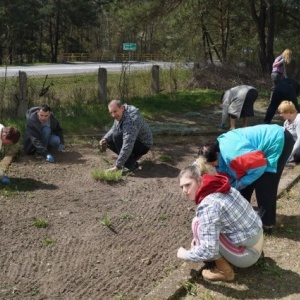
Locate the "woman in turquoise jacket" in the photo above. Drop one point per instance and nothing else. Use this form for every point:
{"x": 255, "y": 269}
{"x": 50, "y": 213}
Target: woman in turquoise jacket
{"x": 253, "y": 158}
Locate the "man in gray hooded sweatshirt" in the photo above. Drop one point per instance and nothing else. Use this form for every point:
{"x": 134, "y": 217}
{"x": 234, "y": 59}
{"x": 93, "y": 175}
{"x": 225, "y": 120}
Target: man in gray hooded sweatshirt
{"x": 130, "y": 136}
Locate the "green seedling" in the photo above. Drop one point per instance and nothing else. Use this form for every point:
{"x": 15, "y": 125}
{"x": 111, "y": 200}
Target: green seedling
{"x": 105, "y": 220}
{"x": 206, "y": 296}
{"x": 8, "y": 192}
{"x": 126, "y": 217}
{"x": 47, "y": 242}
{"x": 166, "y": 158}
{"x": 270, "y": 268}
{"x": 162, "y": 217}
{"x": 283, "y": 228}
{"x": 190, "y": 287}
{"x": 40, "y": 223}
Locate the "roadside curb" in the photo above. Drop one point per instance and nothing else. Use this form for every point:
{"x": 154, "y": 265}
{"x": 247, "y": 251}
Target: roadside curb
{"x": 290, "y": 176}
{"x": 172, "y": 287}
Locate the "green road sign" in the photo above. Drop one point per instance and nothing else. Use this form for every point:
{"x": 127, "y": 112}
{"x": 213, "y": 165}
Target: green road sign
{"x": 129, "y": 46}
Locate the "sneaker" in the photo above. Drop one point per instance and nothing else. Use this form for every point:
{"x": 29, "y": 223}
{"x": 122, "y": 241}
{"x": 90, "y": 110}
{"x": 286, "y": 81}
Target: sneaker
{"x": 129, "y": 170}
{"x": 125, "y": 171}
{"x": 135, "y": 166}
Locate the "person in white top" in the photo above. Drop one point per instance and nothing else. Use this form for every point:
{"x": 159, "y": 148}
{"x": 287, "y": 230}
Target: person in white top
{"x": 291, "y": 116}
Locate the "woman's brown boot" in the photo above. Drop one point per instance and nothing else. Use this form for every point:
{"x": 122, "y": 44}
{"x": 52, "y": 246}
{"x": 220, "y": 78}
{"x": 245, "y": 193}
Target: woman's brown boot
{"x": 221, "y": 272}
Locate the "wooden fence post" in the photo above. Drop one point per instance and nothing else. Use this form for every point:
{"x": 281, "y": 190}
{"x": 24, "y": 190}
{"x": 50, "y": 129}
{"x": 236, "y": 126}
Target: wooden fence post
{"x": 102, "y": 81}
{"x": 155, "y": 79}
{"x": 22, "y": 97}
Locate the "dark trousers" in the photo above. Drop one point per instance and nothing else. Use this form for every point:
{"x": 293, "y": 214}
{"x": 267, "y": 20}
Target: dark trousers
{"x": 247, "y": 109}
{"x": 116, "y": 142}
{"x": 275, "y": 102}
{"x": 266, "y": 186}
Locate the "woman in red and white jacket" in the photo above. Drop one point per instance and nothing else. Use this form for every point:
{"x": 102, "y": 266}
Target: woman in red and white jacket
{"x": 226, "y": 229}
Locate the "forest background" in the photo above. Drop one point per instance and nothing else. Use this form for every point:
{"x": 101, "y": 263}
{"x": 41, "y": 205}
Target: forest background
{"x": 244, "y": 32}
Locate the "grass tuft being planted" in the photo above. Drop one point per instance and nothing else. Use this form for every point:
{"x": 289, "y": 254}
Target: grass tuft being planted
{"x": 105, "y": 175}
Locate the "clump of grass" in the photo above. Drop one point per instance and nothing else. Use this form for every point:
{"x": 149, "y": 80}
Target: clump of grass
{"x": 166, "y": 158}
{"x": 40, "y": 223}
{"x": 190, "y": 287}
{"x": 271, "y": 269}
{"x": 8, "y": 191}
{"x": 105, "y": 220}
{"x": 47, "y": 242}
{"x": 119, "y": 297}
{"x": 108, "y": 176}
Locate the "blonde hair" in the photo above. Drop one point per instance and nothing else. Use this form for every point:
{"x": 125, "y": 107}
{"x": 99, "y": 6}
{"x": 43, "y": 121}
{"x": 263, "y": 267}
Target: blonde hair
{"x": 287, "y": 55}
{"x": 196, "y": 169}
{"x": 287, "y": 107}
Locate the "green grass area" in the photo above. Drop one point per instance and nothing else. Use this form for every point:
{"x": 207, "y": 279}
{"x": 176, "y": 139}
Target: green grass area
{"x": 74, "y": 99}
{"x": 90, "y": 118}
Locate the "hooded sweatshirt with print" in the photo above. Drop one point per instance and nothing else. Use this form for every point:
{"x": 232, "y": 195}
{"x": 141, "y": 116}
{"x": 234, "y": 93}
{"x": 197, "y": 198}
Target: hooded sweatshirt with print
{"x": 133, "y": 127}
{"x": 221, "y": 209}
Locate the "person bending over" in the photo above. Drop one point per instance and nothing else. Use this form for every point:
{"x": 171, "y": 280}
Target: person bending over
{"x": 226, "y": 229}
{"x": 130, "y": 136}
{"x": 9, "y": 136}
{"x": 253, "y": 158}
{"x": 42, "y": 133}
{"x": 237, "y": 102}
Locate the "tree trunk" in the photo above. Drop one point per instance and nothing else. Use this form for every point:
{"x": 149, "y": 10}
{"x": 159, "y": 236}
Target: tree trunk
{"x": 265, "y": 16}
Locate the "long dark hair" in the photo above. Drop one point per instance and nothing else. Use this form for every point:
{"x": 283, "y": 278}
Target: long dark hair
{"x": 209, "y": 150}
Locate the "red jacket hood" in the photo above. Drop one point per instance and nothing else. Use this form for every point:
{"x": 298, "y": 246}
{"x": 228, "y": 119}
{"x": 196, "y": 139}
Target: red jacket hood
{"x": 212, "y": 184}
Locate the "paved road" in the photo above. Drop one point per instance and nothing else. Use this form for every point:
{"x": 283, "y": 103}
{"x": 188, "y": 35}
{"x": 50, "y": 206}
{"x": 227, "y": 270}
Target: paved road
{"x": 77, "y": 68}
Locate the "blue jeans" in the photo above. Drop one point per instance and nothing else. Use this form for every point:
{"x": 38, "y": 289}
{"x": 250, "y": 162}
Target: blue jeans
{"x": 49, "y": 140}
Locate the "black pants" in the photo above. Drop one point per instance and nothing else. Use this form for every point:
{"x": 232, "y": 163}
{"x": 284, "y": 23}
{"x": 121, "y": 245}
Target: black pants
{"x": 116, "y": 142}
{"x": 274, "y": 103}
{"x": 247, "y": 109}
{"x": 266, "y": 186}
